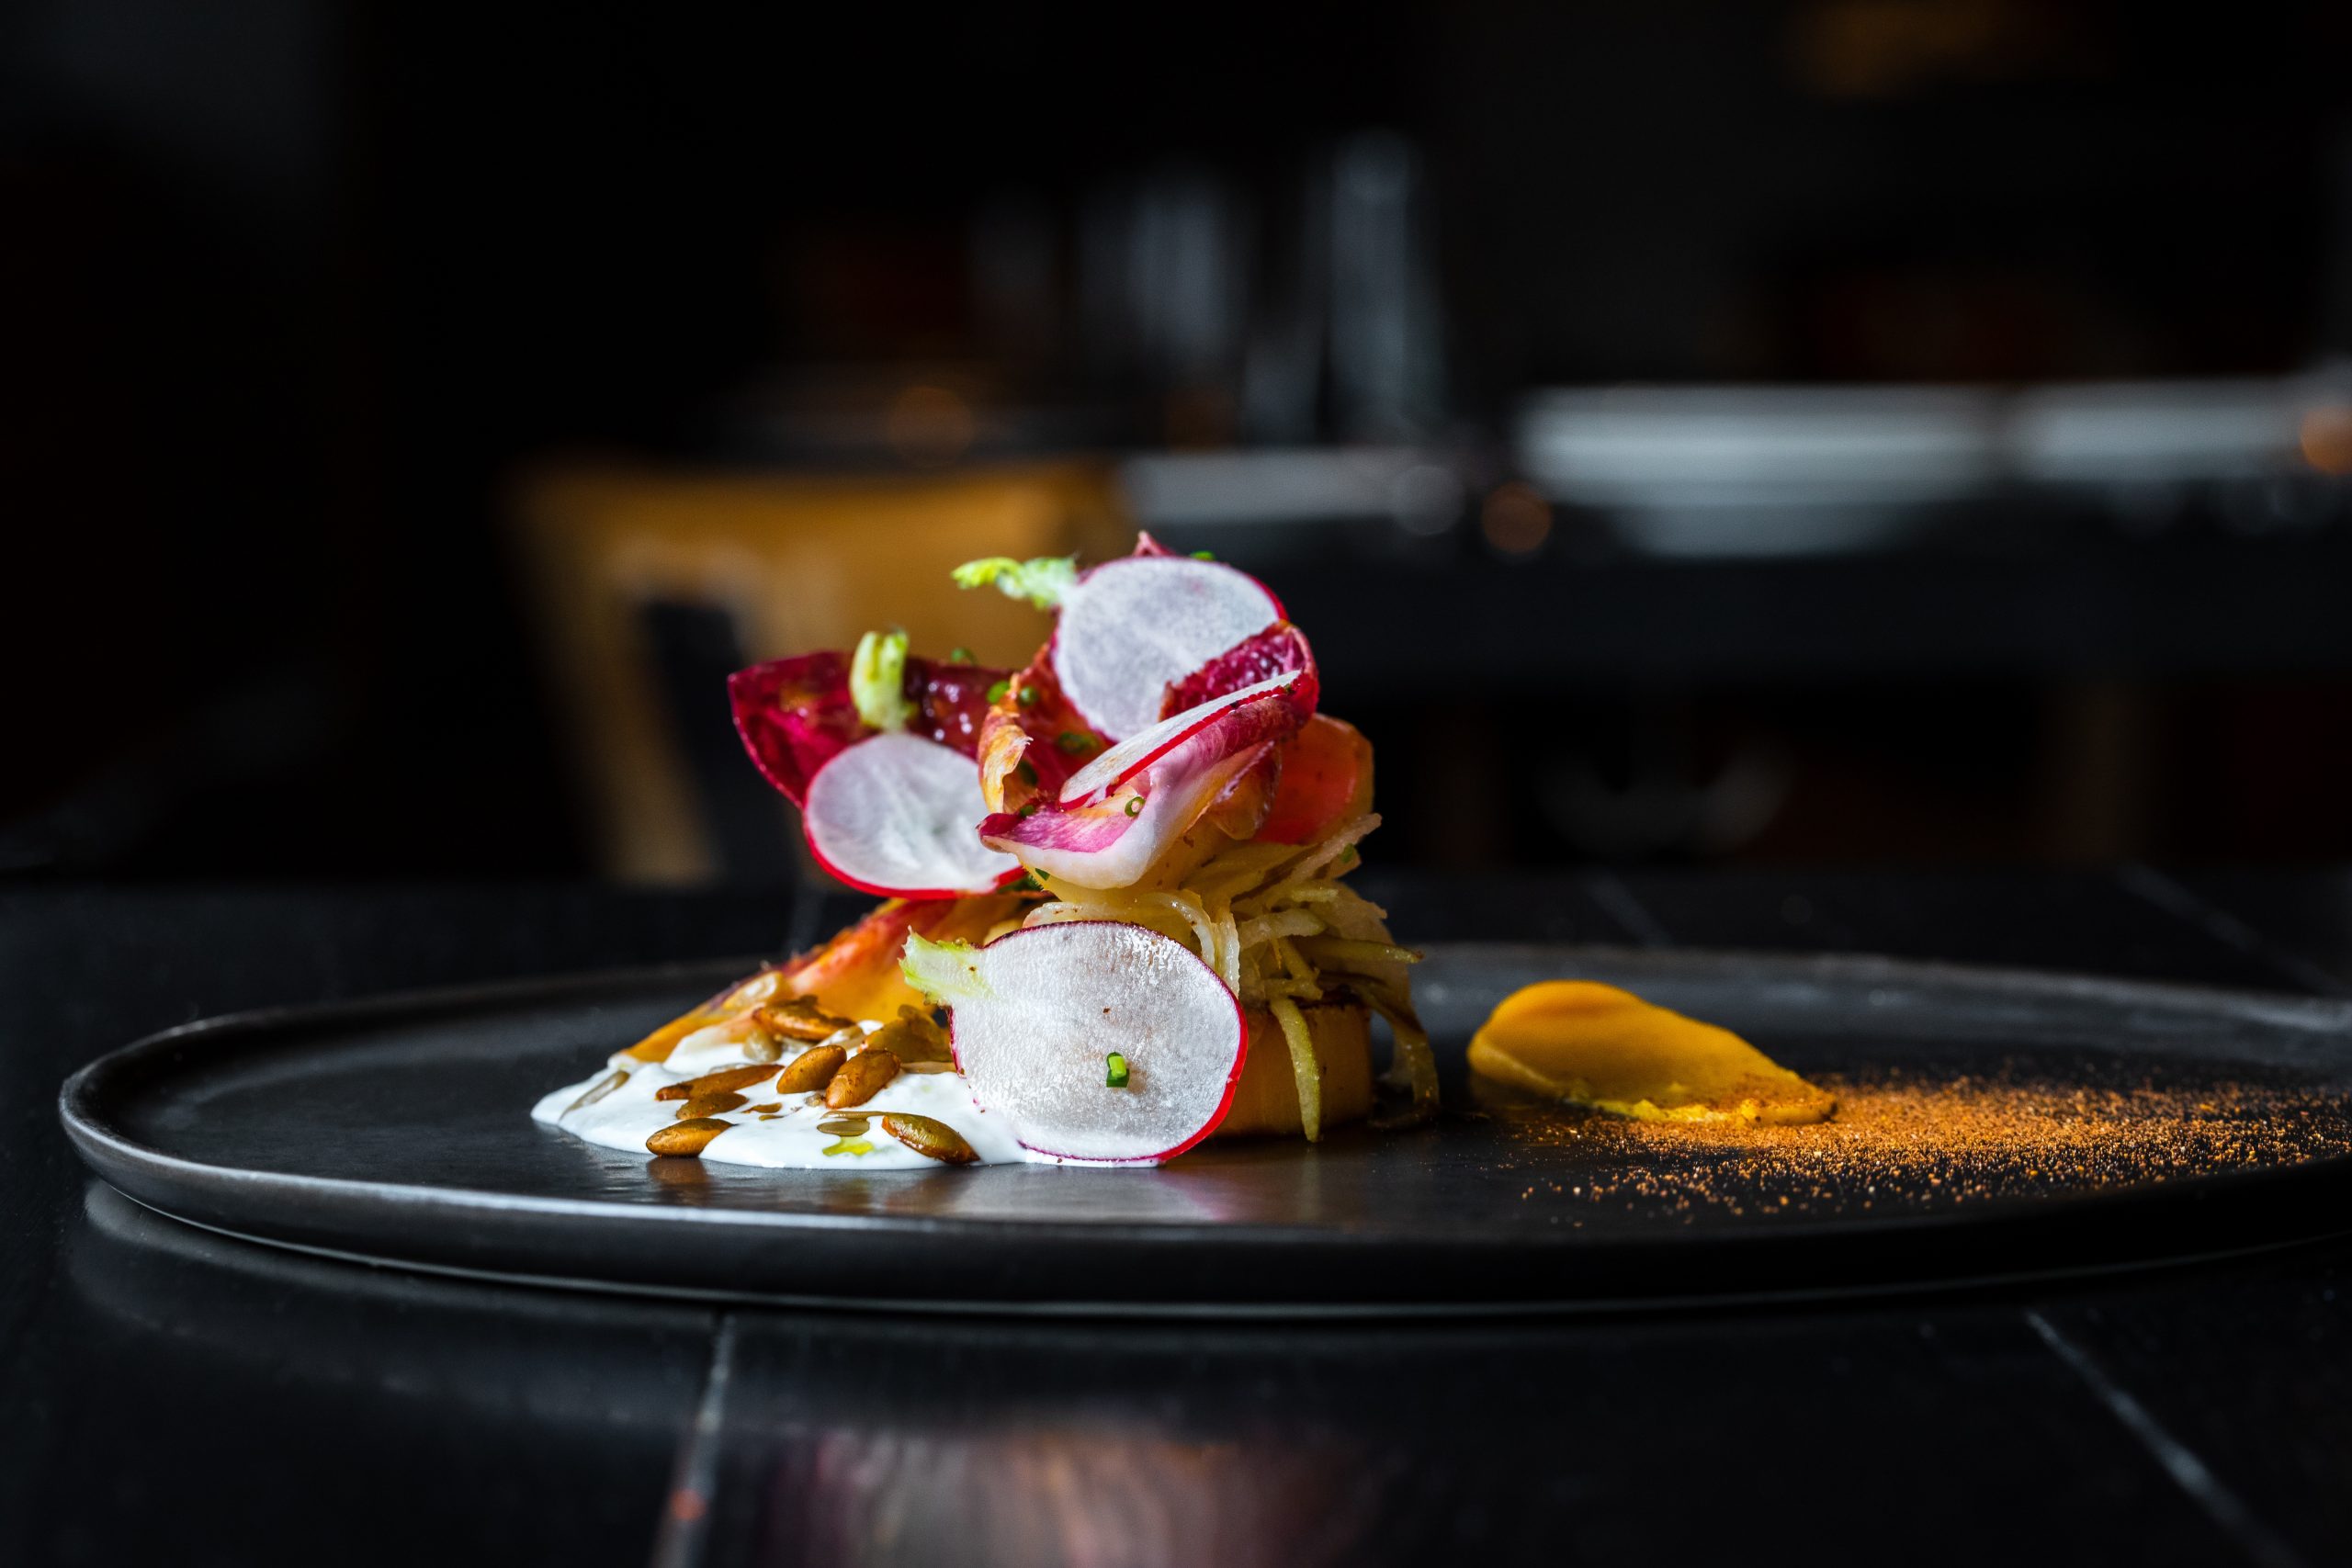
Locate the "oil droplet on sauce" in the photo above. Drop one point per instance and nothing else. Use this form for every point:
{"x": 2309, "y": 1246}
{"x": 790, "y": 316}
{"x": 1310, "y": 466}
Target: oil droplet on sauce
{"x": 1594, "y": 1045}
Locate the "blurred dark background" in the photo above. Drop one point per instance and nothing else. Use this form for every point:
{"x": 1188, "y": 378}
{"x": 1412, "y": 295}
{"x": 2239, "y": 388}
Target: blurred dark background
{"x": 1910, "y": 430}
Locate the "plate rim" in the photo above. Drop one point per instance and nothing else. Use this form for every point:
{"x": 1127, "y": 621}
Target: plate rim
{"x": 114, "y": 1155}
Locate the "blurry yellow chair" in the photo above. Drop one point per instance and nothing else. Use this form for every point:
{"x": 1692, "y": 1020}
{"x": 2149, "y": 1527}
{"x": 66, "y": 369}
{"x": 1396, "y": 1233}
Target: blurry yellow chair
{"x": 649, "y": 585}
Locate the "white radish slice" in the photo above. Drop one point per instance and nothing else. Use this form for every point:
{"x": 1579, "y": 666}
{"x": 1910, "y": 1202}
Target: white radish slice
{"x": 896, "y": 814}
{"x": 1130, "y": 626}
{"x": 1036, "y": 1016}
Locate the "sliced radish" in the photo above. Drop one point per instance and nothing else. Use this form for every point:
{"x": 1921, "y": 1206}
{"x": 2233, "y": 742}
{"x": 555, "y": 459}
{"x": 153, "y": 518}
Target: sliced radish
{"x": 1137, "y": 752}
{"x": 1146, "y": 792}
{"x": 1131, "y": 627}
{"x": 1036, "y": 1016}
{"x": 894, "y": 815}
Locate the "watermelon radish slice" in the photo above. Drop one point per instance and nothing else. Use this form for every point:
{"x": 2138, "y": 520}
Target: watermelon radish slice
{"x": 1036, "y": 1016}
{"x": 797, "y": 715}
{"x": 893, "y": 815}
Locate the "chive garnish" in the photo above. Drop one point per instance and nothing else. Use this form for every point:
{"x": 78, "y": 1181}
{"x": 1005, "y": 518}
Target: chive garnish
{"x": 1115, "y": 1071}
{"x": 1202, "y": 555}
{"x": 959, "y": 654}
{"x": 1134, "y": 805}
{"x": 1027, "y": 696}
{"x": 1075, "y": 744}
{"x": 996, "y": 692}
{"x": 1025, "y": 882}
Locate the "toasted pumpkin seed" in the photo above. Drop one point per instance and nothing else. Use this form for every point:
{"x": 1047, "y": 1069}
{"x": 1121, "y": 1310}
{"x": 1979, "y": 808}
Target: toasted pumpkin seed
{"x": 842, "y": 1126}
{"x": 710, "y": 1105}
{"x": 598, "y": 1090}
{"x": 929, "y": 1138}
{"x": 811, "y": 1070}
{"x": 688, "y": 1139}
{"x": 718, "y": 1082}
{"x": 913, "y": 1037}
{"x": 799, "y": 1018}
{"x": 861, "y": 1078}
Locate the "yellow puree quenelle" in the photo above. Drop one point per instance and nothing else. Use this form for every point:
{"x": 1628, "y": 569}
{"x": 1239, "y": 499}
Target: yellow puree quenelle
{"x": 1594, "y": 1045}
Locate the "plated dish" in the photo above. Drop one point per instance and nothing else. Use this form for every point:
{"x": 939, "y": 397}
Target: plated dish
{"x": 1115, "y": 920}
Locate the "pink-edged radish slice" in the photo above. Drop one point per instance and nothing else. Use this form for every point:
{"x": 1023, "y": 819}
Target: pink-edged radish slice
{"x": 1111, "y": 768}
{"x": 1134, "y": 802}
{"x": 1131, "y": 627}
{"x": 1035, "y": 1016}
{"x": 893, "y": 815}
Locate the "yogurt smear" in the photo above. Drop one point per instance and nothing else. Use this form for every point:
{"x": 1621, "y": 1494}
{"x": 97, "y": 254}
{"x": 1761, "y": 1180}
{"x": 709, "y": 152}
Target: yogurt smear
{"x": 786, "y": 1136}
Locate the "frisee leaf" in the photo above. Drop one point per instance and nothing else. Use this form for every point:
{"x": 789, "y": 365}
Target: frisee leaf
{"x": 877, "y": 681}
{"x": 1044, "y": 582}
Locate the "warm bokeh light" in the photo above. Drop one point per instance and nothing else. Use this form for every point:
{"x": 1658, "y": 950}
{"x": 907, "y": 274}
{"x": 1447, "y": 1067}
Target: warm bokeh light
{"x": 2326, "y": 438}
{"x": 1516, "y": 519}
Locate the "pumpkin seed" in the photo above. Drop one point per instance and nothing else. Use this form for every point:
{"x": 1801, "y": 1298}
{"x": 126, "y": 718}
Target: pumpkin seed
{"x": 931, "y": 1138}
{"x": 861, "y": 1078}
{"x": 687, "y": 1139}
{"x": 598, "y": 1090}
{"x": 725, "y": 1078}
{"x": 811, "y": 1070}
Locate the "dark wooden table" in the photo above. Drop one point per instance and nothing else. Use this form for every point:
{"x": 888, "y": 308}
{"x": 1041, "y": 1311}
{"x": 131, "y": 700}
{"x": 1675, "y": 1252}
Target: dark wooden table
{"x": 174, "y": 1397}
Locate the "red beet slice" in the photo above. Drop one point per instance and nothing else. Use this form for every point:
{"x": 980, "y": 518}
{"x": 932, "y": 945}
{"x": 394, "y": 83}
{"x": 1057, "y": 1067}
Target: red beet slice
{"x": 796, "y": 715}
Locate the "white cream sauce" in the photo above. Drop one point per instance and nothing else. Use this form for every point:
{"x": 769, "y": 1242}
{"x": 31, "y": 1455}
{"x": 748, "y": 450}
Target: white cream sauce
{"x": 787, "y": 1137}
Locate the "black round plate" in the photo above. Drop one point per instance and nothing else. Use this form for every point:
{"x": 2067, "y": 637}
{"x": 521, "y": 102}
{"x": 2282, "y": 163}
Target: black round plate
{"x": 398, "y": 1130}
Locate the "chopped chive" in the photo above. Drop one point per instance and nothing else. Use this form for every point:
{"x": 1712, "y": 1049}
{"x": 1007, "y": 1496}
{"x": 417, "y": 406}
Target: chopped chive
{"x": 1202, "y": 555}
{"x": 1134, "y": 805}
{"x": 996, "y": 692}
{"x": 1025, "y": 882}
{"x": 1028, "y": 810}
{"x": 1075, "y": 744}
{"x": 1026, "y": 773}
{"x": 1115, "y": 1071}
{"x": 959, "y": 654}
{"x": 1027, "y": 696}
